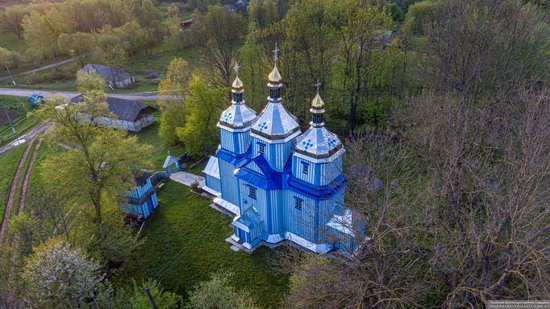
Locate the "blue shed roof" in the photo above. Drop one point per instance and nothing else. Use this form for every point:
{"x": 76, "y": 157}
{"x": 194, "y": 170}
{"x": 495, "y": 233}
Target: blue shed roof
{"x": 170, "y": 160}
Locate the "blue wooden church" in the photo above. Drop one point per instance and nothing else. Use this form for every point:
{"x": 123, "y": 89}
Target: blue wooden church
{"x": 279, "y": 182}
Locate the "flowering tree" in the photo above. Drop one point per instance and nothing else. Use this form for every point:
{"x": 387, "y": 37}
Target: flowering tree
{"x": 57, "y": 276}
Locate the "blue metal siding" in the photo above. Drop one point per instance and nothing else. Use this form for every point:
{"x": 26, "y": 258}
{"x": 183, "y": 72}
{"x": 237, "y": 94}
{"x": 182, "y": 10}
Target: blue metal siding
{"x": 236, "y": 142}
{"x": 329, "y": 171}
{"x": 298, "y": 169}
{"x": 276, "y": 154}
{"x": 300, "y": 222}
{"x": 213, "y": 183}
{"x": 229, "y": 184}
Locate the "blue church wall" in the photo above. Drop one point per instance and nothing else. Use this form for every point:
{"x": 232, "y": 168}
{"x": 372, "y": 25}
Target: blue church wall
{"x": 236, "y": 142}
{"x": 229, "y": 184}
{"x": 330, "y": 171}
{"x": 302, "y": 222}
{"x": 305, "y": 170}
{"x": 276, "y": 154}
{"x": 213, "y": 183}
{"x": 260, "y": 201}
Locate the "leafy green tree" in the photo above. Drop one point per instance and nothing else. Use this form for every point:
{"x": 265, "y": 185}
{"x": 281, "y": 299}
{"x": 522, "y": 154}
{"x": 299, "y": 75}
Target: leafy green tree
{"x": 164, "y": 299}
{"x": 100, "y": 166}
{"x": 419, "y": 17}
{"x": 57, "y": 275}
{"x": 204, "y": 105}
{"x": 40, "y": 38}
{"x": 218, "y": 34}
{"x": 218, "y": 293}
{"x": 11, "y": 19}
{"x": 9, "y": 58}
{"x": 172, "y": 89}
{"x": 79, "y": 44}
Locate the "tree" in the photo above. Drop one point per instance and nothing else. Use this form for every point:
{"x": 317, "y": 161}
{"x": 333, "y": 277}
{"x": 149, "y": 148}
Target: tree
{"x": 57, "y": 275}
{"x": 78, "y": 44}
{"x": 204, "y": 106}
{"x": 218, "y": 35}
{"x": 101, "y": 164}
{"x": 172, "y": 90}
{"x": 164, "y": 299}
{"x": 419, "y": 17}
{"x": 218, "y": 293}
{"x": 11, "y": 20}
{"x": 40, "y": 38}
{"x": 9, "y": 58}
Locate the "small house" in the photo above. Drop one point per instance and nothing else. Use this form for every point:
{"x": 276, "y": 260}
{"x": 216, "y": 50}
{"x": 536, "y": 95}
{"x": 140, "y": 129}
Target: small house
{"x": 129, "y": 115}
{"x": 116, "y": 78}
{"x": 142, "y": 200}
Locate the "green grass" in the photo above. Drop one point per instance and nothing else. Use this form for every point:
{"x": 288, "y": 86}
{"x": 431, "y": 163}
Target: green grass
{"x": 47, "y": 150}
{"x": 12, "y": 42}
{"x": 8, "y": 166}
{"x": 150, "y": 136}
{"x": 22, "y": 123}
{"x": 184, "y": 221}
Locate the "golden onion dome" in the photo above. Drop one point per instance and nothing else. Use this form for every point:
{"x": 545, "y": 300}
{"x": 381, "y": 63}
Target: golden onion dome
{"x": 317, "y": 102}
{"x": 237, "y": 84}
{"x": 275, "y": 76}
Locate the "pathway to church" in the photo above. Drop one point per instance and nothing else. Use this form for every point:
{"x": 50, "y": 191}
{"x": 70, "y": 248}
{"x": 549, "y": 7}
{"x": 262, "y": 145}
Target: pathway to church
{"x": 187, "y": 179}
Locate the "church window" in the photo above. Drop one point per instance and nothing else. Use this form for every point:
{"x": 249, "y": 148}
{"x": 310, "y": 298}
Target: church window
{"x": 305, "y": 169}
{"x": 299, "y": 203}
{"x": 252, "y": 192}
{"x": 261, "y": 147}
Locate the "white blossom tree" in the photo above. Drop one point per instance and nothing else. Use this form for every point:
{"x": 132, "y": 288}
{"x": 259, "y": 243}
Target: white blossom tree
{"x": 58, "y": 276}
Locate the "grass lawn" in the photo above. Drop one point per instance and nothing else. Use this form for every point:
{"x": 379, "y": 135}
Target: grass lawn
{"x": 150, "y": 135}
{"x": 8, "y": 166}
{"x": 12, "y": 42}
{"x": 22, "y": 123}
{"x": 184, "y": 222}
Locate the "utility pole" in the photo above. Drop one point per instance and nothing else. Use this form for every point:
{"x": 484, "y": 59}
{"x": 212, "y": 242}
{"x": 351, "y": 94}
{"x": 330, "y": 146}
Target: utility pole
{"x": 9, "y": 120}
{"x": 9, "y": 72}
{"x": 151, "y": 299}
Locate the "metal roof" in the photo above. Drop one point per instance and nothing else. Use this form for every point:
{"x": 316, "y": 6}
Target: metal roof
{"x": 212, "y": 168}
{"x": 237, "y": 116}
{"x": 318, "y": 142}
{"x": 109, "y": 73}
{"x": 126, "y": 110}
{"x": 275, "y": 122}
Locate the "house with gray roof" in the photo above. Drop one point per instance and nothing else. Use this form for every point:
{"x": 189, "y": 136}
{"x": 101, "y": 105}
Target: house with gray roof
{"x": 116, "y": 78}
{"x": 128, "y": 115}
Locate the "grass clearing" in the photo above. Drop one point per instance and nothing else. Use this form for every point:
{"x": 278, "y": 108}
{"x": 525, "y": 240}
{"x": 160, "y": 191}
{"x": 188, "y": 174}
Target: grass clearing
{"x": 12, "y": 42}
{"x": 184, "y": 221}
{"x": 21, "y": 122}
{"x": 8, "y": 166}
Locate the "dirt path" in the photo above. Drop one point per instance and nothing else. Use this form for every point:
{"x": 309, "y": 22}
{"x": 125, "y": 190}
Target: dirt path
{"x": 42, "y": 68}
{"x": 25, "y": 187}
{"x": 13, "y": 191}
{"x": 25, "y": 137}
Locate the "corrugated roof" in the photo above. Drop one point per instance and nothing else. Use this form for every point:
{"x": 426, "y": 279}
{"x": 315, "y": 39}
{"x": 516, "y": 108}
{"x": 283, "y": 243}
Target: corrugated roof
{"x": 126, "y": 110}
{"x": 109, "y": 73}
{"x": 212, "y": 168}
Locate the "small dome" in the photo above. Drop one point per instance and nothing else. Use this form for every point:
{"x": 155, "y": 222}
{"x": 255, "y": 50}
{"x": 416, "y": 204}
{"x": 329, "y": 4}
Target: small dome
{"x": 237, "y": 84}
{"x": 317, "y": 102}
{"x": 275, "y": 76}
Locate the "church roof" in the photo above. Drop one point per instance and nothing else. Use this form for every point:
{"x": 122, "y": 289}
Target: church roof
{"x": 318, "y": 142}
{"x": 237, "y": 116}
{"x": 275, "y": 122}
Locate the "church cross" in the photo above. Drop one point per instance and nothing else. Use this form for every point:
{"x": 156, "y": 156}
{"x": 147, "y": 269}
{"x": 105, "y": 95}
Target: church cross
{"x": 236, "y": 68}
{"x": 318, "y": 85}
{"x": 276, "y": 53}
